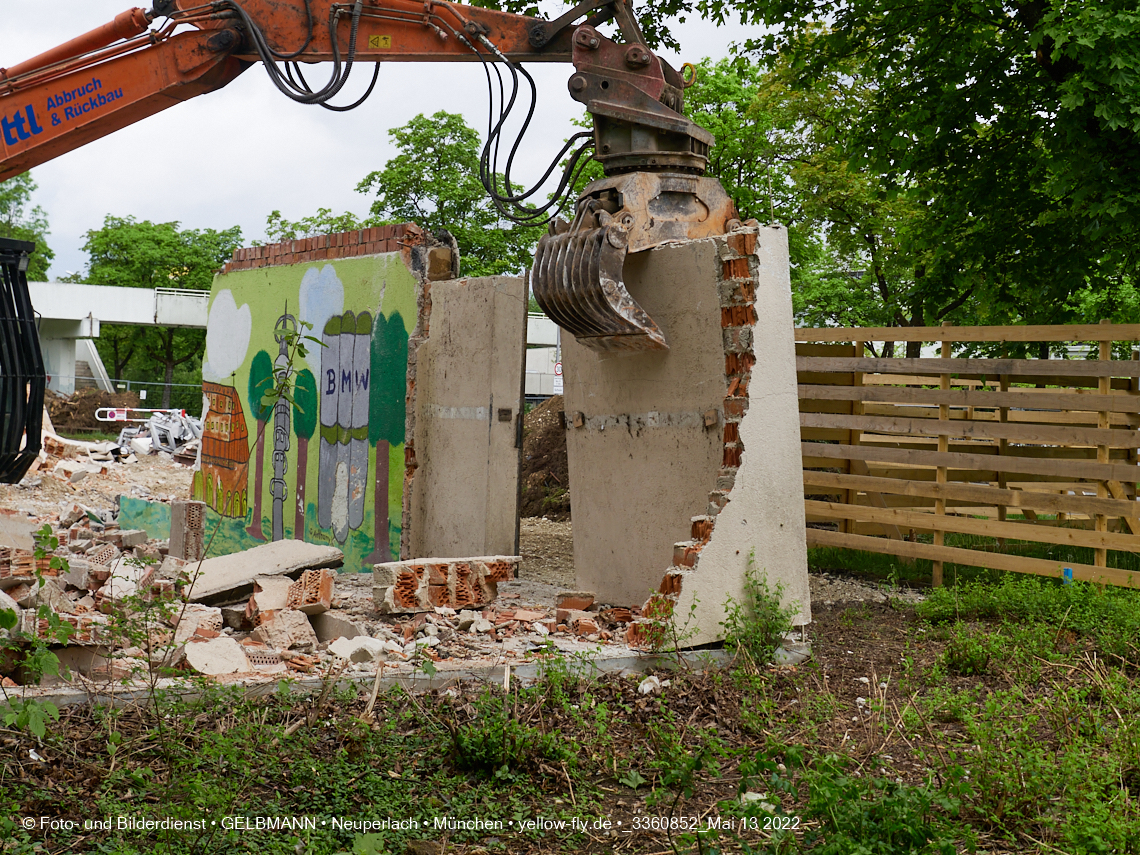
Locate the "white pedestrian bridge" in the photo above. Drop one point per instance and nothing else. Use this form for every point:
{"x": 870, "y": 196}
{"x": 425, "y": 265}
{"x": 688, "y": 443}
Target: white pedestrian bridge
{"x": 69, "y": 315}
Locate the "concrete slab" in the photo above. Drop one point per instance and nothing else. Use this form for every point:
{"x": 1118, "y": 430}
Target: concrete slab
{"x": 16, "y": 531}
{"x": 230, "y": 577}
{"x": 642, "y": 460}
{"x": 217, "y": 656}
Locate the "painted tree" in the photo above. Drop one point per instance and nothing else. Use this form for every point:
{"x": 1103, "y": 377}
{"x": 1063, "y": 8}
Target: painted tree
{"x": 387, "y": 393}
{"x": 304, "y": 425}
{"x": 260, "y": 383}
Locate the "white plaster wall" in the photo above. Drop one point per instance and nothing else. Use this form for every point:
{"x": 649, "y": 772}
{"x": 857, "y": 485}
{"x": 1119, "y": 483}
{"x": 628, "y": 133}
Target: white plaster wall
{"x": 762, "y": 525}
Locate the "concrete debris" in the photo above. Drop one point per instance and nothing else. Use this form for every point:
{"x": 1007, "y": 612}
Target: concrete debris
{"x": 170, "y": 431}
{"x": 328, "y": 627}
{"x": 217, "y": 656}
{"x": 230, "y": 577}
{"x": 365, "y": 649}
{"x": 270, "y": 595}
{"x": 287, "y": 630}
{"x": 651, "y": 685}
{"x": 194, "y": 616}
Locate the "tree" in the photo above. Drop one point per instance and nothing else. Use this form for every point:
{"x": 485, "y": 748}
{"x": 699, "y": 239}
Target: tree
{"x": 1016, "y": 123}
{"x": 324, "y": 222}
{"x": 19, "y": 222}
{"x": 260, "y": 384}
{"x": 305, "y": 406}
{"x": 386, "y": 394}
{"x": 433, "y": 182}
{"x": 127, "y": 252}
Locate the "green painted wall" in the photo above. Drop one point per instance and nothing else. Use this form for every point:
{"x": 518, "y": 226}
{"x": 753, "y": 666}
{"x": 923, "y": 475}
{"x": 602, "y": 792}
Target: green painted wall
{"x": 309, "y": 466}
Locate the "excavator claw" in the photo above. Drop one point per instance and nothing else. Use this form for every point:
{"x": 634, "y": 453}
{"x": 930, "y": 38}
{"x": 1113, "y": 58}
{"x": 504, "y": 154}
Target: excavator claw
{"x": 577, "y": 279}
{"x": 577, "y": 276}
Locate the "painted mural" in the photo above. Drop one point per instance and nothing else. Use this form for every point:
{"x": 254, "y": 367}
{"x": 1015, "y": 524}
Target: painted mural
{"x": 346, "y": 398}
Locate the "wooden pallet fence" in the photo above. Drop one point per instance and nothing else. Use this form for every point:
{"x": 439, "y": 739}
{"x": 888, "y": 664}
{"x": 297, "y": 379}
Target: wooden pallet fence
{"x": 1006, "y": 450}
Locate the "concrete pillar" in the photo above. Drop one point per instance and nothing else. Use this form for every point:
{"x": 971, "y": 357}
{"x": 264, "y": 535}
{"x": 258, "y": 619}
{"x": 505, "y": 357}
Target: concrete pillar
{"x": 687, "y": 463}
{"x": 466, "y": 379}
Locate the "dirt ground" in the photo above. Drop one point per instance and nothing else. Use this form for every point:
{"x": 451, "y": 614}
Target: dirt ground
{"x": 77, "y": 412}
{"x": 545, "y": 470}
{"x": 151, "y": 477}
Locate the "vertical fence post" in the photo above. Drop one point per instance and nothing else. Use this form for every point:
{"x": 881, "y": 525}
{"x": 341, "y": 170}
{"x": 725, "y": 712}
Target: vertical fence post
{"x": 1104, "y": 387}
{"x": 943, "y": 447}
{"x": 1003, "y": 444}
{"x": 851, "y": 497}
{"x": 1133, "y": 420}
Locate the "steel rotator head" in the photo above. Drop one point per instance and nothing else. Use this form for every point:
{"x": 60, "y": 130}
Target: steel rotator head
{"x": 654, "y": 192}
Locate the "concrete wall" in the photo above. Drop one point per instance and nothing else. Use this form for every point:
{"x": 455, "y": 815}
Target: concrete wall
{"x": 327, "y": 468}
{"x": 759, "y": 527}
{"x": 642, "y": 460}
{"x": 466, "y": 382}
{"x": 688, "y": 462}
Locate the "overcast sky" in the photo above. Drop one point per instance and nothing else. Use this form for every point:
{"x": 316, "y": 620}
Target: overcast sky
{"x": 232, "y": 156}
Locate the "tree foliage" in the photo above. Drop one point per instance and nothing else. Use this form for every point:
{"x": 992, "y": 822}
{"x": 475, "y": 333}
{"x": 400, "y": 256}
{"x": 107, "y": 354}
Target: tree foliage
{"x": 1015, "y": 123}
{"x": 20, "y": 221}
{"x": 141, "y": 254}
{"x": 434, "y": 182}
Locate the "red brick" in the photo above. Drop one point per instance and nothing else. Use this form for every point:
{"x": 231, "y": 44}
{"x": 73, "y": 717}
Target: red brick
{"x": 732, "y": 452}
{"x": 738, "y": 387}
{"x": 685, "y": 554}
{"x": 585, "y": 626}
{"x": 735, "y": 408}
{"x": 736, "y": 268}
{"x": 701, "y": 528}
{"x": 745, "y": 244}
{"x": 578, "y": 600}
{"x": 645, "y": 634}
{"x": 731, "y": 432}
{"x": 738, "y": 363}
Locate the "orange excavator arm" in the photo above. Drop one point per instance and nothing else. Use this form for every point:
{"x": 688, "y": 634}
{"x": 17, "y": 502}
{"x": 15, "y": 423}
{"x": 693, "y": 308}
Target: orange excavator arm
{"x": 653, "y": 156}
{"x": 124, "y": 71}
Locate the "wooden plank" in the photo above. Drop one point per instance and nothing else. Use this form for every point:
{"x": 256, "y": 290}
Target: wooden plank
{"x": 975, "y": 493}
{"x": 988, "y": 367}
{"x": 1042, "y": 434}
{"x": 1065, "y": 332}
{"x": 966, "y": 525}
{"x": 1103, "y": 421}
{"x": 1118, "y": 492}
{"x": 988, "y": 381}
{"x": 986, "y": 446}
{"x": 858, "y": 467}
{"x": 1063, "y": 418}
{"x": 808, "y": 405}
{"x": 973, "y": 558}
{"x": 819, "y": 453}
{"x": 1025, "y": 399}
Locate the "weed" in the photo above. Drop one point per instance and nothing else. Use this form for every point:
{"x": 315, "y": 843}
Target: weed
{"x": 876, "y": 815}
{"x": 497, "y": 745}
{"x": 969, "y": 653}
{"x": 755, "y": 628}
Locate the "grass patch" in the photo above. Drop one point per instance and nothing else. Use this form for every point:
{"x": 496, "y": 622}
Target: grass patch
{"x": 990, "y": 720}
{"x": 893, "y": 569}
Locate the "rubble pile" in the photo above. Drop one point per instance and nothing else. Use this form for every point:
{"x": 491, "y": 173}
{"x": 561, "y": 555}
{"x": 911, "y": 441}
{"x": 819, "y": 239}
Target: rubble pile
{"x": 276, "y": 609}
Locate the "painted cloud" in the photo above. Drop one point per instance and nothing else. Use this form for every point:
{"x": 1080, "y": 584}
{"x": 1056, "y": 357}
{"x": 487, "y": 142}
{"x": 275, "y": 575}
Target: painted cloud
{"x": 227, "y": 337}
{"x": 322, "y": 296}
